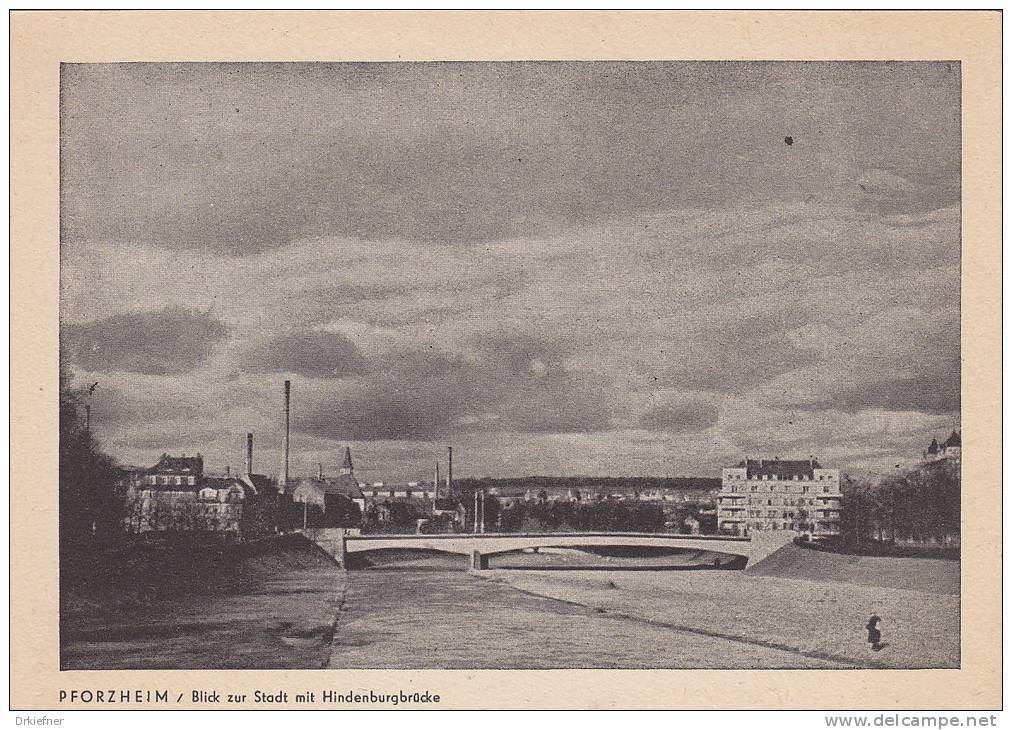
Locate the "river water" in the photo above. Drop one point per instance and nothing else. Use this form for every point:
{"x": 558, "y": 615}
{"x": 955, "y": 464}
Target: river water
{"x": 448, "y": 619}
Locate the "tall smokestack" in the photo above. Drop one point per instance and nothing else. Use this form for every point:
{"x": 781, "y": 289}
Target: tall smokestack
{"x": 449, "y": 470}
{"x": 319, "y": 472}
{"x": 284, "y": 443}
{"x": 435, "y": 482}
{"x": 249, "y": 453}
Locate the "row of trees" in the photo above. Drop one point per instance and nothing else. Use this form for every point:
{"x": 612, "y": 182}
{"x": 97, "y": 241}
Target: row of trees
{"x": 337, "y": 511}
{"x": 919, "y": 506}
{"x": 539, "y": 516}
{"x": 603, "y": 484}
{"x": 603, "y": 516}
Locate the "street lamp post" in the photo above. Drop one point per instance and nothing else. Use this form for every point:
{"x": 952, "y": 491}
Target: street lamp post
{"x": 87, "y": 407}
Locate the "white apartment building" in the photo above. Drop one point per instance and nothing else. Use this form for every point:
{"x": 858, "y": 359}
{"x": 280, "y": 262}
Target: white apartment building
{"x": 773, "y": 494}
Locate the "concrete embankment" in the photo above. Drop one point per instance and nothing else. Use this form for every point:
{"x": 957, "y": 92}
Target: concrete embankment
{"x": 804, "y": 618}
{"x": 163, "y": 603}
{"x": 915, "y": 574}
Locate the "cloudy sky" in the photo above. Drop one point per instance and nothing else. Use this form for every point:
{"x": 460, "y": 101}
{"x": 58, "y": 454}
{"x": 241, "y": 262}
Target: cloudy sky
{"x": 596, "y": 268}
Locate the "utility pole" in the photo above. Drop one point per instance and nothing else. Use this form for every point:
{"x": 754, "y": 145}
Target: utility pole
{"x": 482, "y": 511}
{"x": 287, "y": 433}
{"x": 87, "y": 408}
{"x": 476, "y": 512}
{"x": 305, "y": 511}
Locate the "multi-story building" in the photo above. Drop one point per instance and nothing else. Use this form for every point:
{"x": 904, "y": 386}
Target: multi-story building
{"x": 175, "y": 495}
{"x": 411, "y": 490}
{"x": 773, "y": 494}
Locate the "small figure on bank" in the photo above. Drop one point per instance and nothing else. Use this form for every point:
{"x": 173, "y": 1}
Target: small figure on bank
{"x": 874, "y": 635}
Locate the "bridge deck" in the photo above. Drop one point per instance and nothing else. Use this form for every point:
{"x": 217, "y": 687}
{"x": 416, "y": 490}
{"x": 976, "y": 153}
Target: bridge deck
{"x": 493, "y": 543}
{"x": 337, "y": 543}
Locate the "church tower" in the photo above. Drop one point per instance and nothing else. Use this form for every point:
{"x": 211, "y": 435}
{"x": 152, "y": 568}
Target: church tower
{"x": 346, "y": 467}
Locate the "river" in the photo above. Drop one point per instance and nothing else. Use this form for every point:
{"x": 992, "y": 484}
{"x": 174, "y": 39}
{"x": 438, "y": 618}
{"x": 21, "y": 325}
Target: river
{"x": 425, "y": 619}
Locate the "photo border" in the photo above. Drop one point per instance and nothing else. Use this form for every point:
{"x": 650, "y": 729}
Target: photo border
{"x": 41, "y": 40}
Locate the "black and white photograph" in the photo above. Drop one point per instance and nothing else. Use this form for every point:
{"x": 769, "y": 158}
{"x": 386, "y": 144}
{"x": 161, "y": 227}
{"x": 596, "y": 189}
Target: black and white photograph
{"x": 510, "y": 365}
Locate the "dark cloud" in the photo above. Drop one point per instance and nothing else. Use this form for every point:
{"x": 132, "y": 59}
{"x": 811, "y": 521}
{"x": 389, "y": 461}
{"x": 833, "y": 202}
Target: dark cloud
{"x": 165, "y": 342}
{"x": 726, "y": 353}
{"x": 117, "y": 406}
{"x": 309, "y": 353}
{"x": 681, "y": 415}
{"x": 384, "y": 410}
{"x": 927, "y": 393}
{"x": 515, "y": 385}
{"x": 247, "y": 157}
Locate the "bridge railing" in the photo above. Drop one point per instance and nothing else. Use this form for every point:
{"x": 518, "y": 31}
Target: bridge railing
{"x": 500, "y": 535}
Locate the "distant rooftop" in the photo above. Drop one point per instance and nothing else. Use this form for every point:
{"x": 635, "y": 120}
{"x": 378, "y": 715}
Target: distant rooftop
{"x": 779, "y": 468}
{"x": 178, "y": 465}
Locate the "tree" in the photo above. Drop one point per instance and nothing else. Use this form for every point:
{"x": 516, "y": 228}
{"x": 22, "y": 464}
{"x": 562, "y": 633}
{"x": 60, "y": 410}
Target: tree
{"x": 89, "y": 505}
{"x": 340, "y": 511}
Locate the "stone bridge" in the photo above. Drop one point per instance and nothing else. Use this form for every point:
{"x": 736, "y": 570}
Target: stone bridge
{"x": 338, "y": 543}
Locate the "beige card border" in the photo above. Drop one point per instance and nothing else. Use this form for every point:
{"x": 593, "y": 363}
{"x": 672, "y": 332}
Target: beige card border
{"x": 41, "y": 40}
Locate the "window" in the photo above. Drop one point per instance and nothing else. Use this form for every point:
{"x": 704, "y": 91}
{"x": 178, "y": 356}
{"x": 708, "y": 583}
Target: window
{"x": 179, "y": 480}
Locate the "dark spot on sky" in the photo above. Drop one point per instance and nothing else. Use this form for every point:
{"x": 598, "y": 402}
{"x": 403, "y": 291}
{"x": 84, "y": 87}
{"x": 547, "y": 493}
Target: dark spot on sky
{"x": 789, "y": 141}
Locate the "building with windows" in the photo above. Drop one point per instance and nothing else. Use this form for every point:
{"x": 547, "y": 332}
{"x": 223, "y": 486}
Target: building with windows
{"x": 774, "y": 494}
{"x": 411, "y": 490}
{"x": 315, "y": 491}
{"x": 950, "y": 449}
{"x": 180, "y": 471}
{"x": 176, "y": 496}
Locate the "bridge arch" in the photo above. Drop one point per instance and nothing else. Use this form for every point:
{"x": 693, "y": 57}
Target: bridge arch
{"x": 340, "y": 545}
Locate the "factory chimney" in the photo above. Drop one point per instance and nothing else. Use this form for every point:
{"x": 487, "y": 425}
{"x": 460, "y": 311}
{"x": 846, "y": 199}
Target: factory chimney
{"x": 319, "y": 472}
{"x": 435, "y": 483}
{"x": 249, "y": 453}
{"x": 284, "y": 443}
{"x": 449, "y": 471}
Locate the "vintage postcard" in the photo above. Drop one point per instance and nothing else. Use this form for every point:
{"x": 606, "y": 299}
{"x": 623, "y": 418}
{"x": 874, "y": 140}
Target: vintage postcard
{"x": 505, "y": 353}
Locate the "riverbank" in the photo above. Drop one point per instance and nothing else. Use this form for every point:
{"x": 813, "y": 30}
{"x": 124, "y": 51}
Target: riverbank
{"x": 804, "y": 619}
{"x": 195, "y": 604}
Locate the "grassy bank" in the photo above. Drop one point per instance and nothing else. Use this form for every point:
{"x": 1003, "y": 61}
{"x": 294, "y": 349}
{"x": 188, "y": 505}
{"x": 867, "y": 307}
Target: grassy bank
{"x": 189, "y": 602}
{"x": 148, "y": 569}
